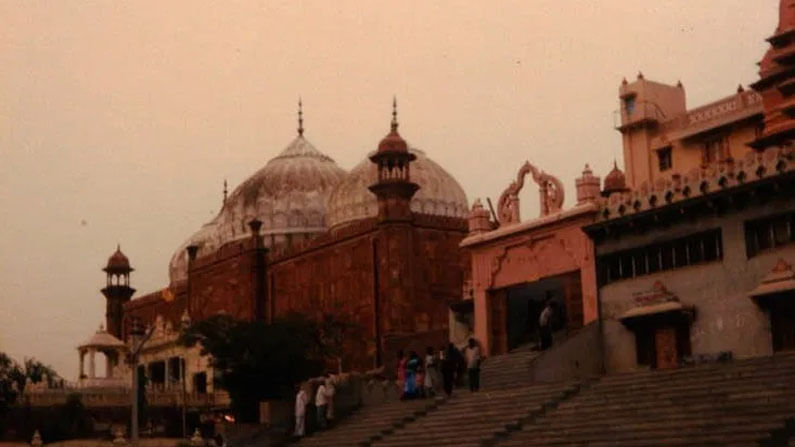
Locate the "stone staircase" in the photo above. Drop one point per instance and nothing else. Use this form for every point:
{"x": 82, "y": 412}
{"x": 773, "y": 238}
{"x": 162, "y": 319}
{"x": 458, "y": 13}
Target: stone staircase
{"x": 742, "y": 403}
{"x": 475, "y": 419}
{"x": 371, "y": 422}
{"x": 508, "y": 370}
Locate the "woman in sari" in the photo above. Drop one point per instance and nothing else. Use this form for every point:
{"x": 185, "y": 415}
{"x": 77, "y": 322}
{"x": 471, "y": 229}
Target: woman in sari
{"x": 412, "y": 368}
{"x": 401, "y": 374}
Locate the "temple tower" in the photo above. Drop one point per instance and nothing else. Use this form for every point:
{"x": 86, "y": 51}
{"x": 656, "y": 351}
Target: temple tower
{"x": 777, "y": 82}
{"x": 117, "y": 291}
{"x": 644, "y": 106}
{"x": 394, "y": 188}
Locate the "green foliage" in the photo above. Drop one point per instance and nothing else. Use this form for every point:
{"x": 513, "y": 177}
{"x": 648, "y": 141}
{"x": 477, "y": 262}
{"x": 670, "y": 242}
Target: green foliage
{"x": 259, "y": 361}
{"x": 12, "y": 382}
{"x": 37, "y": 372}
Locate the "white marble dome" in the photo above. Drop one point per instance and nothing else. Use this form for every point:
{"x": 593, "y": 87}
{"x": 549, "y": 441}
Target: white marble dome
{"x": 439, "y": 193}
{"x": 288, "y": 195}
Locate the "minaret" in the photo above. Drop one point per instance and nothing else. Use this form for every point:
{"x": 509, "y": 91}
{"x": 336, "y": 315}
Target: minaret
{"x": 777, "y": 82}
{"x": 394, "y": 188}
{"x": 117, "y": 291}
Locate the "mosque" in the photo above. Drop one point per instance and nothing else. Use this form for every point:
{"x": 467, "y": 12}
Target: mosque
{"x": 376, "y": 247}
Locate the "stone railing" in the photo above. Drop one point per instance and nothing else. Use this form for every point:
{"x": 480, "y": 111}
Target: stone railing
{"x": 709, "y": 115}
{"x": 121, "y": 398}
{"x": 755, "y": 166}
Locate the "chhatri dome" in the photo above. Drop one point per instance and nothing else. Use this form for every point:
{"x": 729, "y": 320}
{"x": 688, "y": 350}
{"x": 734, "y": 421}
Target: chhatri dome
{"x": 288, "y": 195}
{"x": 439, "y": 193}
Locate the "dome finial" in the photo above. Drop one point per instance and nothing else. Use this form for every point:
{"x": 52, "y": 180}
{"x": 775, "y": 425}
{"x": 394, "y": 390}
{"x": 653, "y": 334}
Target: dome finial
{"x": 118, "y": 247}
{"x": 300, "y": 118}
{"x": 226, "y": 191}
{"x": 394, "y": 114}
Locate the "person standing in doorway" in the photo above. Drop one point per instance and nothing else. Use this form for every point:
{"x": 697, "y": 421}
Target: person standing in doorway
{"x": 545, "y": 325}
{"x": 301, "y": 400}
{"x": 472, "y": 356}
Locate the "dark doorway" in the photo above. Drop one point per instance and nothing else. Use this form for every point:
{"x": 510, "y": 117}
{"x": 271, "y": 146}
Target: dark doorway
{"x": 157, "y": 375}
{"x": 200, "y": 383}
{"x": 661, "y": 341}
{"x": 515, "y": 310}
{"x": 782, "y": 323}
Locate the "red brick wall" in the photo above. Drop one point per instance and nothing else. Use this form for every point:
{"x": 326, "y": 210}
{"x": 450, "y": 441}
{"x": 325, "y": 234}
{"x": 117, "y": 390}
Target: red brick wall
{"x": 420, "y": 273}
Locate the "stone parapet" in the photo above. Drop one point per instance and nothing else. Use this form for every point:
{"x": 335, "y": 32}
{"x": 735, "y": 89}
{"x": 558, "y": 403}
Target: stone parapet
{"x": 699, "y": 182}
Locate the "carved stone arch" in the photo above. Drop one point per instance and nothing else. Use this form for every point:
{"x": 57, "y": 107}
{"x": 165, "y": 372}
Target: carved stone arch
{"x": 550, "y": 190}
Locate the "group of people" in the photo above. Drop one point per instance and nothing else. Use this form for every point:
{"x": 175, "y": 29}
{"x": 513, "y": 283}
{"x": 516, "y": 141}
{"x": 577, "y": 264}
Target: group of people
{"x": 420, "y": 378}
{"x": 324, "y": 405}
{"x": 417, "y": 378}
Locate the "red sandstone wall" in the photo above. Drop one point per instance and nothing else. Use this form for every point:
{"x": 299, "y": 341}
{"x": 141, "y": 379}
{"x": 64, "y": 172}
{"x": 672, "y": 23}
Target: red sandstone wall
{"x": 147, "y": 307}
{"x": 419, "y": 269}
{"x": 420, "y": 273}
{"x": 224, "y": 282}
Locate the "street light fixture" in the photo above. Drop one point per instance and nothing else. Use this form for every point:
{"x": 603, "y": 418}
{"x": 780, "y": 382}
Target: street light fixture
{"x": 138, "y": 336}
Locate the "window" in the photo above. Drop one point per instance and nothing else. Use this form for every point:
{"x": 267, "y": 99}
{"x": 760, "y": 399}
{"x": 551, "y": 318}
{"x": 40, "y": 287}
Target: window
{"x": 664, "y": 159}
{"x": 629, "y": 104}
{"x": 715, "y": 150}
{"x": 694, "y": 249}
{"x": 768, "y": 233}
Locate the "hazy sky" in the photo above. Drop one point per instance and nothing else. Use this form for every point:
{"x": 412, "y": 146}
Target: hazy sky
{"x": 119, "y": 120}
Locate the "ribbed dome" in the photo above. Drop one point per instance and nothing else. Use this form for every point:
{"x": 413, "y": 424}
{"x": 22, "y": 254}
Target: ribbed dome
{"x": 615, "y": 181}
{"x": 288, "y": 195}
{"x": 439, "y": 193}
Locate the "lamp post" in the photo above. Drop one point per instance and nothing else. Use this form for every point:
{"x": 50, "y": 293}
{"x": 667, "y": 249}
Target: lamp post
{"x": 139, "y": 336}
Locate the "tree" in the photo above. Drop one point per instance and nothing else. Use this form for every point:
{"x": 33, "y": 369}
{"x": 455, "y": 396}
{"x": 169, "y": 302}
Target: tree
{"x": 331, "y": 335}
{"x": 37, "y": 371}
{"x": 12, "y": 383}
{"x": 258, "y": 361}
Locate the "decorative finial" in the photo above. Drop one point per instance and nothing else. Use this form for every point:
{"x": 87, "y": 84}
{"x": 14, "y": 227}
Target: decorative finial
{"x": 300, "y": 117}
{"x": 118, "y": 247}
{"x": 624, "y": 81}
{"x": 394, "y": 114}
{"x": 640, "y": 75}
{"x": 225, "y": 186}
{"x": 679, "y": 83}
{"x": 740, "y": 88}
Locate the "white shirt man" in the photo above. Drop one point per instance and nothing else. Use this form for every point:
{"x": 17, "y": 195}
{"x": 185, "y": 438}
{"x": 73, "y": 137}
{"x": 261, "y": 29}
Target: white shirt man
{"x": 301, "y": 400}
{"x": 472, "y": 357}
{"x": 546, "y": 316}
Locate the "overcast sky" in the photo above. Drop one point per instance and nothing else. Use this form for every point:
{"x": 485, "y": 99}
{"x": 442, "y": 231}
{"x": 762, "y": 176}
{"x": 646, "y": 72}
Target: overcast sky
{"x": 119, "y": 120}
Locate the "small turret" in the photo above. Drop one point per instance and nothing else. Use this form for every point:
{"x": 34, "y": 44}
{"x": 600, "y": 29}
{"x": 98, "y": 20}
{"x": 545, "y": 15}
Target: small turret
{"x": 117, "y": 291}
{"x": 587, "y": 186}
{"x": 479, "y": 221}
{"x": 394, "y": 188}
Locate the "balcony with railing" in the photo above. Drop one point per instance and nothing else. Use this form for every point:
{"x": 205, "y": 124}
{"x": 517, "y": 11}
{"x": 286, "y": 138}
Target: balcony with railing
{"x": 637, "y": 114}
